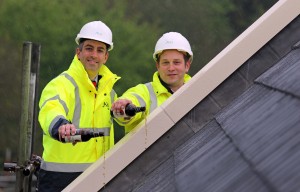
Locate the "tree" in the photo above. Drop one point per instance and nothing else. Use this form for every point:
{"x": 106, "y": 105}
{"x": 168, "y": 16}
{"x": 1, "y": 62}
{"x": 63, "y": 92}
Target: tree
{"x": 209, "y": 25}
{"x": 55, "y": 24}
{"x": 203, "y": 23}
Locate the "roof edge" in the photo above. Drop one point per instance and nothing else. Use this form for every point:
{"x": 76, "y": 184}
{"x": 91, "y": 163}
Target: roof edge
{"x": 202, "y": 83}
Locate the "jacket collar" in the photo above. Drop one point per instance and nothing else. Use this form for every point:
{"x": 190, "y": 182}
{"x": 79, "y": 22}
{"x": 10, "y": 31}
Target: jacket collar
{"x": 77, "y": 69}
{"x": 161, "y": 87}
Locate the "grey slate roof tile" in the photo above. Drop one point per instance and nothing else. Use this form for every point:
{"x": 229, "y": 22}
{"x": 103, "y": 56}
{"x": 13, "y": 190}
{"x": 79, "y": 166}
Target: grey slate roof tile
{"x": 285, "y": 76}
{"x": 157, "y": 154}
{"x": 211, "y": 163}
{"x": 234, "y": 140}
{"x": 232, "y": 87}
{"x": 264, "y": 124}
{"x": 259, "y": 63}
{"x": 120, "y": 183}
{"x": 140, "y": 170}
{"x": 281, "y": 44}
{"x": 202, "y": 114}
{"x": 161, "y": 179}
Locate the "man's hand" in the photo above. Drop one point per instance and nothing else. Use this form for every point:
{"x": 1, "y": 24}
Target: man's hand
{"x": 66, "y": 130}
{"x": 118, "y": 107}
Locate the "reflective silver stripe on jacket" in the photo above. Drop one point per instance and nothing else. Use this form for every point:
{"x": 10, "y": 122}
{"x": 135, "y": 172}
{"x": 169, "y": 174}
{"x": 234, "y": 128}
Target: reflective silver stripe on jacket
{"x": 153, "y": 97}
{"x": 55, "y": 120}
{"x": 77, "y": 110}
{"x": 64, "y": 167}
{"x": 140, "y": 100}
{"x": 105, "y": 131}
{"x": 60, "y": 101}
{"x": 112, "y": 99}
{"x": 112, "y": 95}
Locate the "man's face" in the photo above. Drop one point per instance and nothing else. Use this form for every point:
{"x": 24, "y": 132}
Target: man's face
{"x": 172, "y": 68}
{"x": 93, "y": 55}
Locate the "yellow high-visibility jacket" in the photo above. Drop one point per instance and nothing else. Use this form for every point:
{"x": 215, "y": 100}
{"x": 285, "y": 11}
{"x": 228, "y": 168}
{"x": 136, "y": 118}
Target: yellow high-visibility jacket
{"x": 150, "y": 95}
{"x": 73, "y": 97}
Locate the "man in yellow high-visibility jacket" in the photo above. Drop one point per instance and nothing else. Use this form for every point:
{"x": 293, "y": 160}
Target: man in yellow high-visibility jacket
{"x": 173, "y": 57}
{"x": 79, "y": 98}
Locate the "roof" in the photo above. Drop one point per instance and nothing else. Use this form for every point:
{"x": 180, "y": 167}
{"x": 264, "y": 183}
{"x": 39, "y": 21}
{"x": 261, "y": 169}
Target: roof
{"x": 234, "y": 127}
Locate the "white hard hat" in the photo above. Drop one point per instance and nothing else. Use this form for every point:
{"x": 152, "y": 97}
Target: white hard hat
{"x": 172, "y": 40}
{"x": 96, "y": 30}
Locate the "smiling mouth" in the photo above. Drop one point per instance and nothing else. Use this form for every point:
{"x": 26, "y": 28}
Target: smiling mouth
{"x": 92, "y": 62}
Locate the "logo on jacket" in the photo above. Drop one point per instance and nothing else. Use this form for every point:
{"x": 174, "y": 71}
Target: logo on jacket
{"x": 105, "y": 104}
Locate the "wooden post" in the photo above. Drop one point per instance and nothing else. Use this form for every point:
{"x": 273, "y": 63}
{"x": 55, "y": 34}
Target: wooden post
{"x": 30, "y": 66}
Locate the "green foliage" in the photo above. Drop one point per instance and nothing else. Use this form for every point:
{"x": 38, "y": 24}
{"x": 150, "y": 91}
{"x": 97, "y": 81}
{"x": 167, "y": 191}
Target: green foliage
{"x": 132, "y": 53}
{"x": 55, "y": 24}
{"x": 209, "y": 25}
{"x": 241, "y": 19}
{"x": 203, "y": 23}
{"x": 10, "y": 97}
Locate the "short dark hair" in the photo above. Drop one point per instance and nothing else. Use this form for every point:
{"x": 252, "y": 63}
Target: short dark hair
{"x": 186, "y": 57}
{"x": 82, "y": 40}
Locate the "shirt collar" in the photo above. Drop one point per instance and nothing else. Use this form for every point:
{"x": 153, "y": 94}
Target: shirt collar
{"x": 165, "y": 85}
